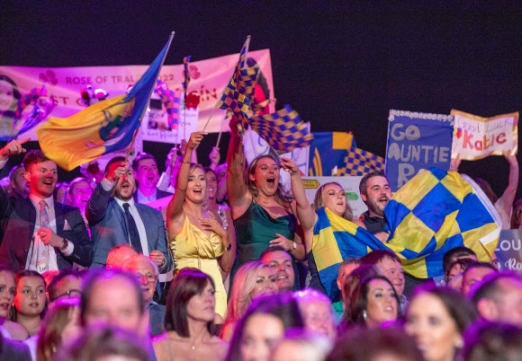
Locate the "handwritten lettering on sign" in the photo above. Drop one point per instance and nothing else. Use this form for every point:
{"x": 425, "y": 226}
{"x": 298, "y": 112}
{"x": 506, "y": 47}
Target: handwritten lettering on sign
{"x": 509, "y": 250}
{"x": 475, "y": 137}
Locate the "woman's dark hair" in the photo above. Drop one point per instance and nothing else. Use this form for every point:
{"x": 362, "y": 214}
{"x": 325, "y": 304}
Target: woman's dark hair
{"x": 282, "y": 306}
{"x": 359, "y": 300}
{"x": 464, "y": 263}
{"x": 352, "y": 282}
{"x": 16, "y": 92}
{"x": 187, "y": 283}
{"x": 459, "y": 308}
{"x": 99, "y": 341}
{"x": 18, "y": 276}
{"x": 371, "y": 344}
{"x": 488, "y": 341}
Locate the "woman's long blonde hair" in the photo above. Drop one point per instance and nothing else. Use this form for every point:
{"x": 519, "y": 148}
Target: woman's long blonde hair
{"x": 319, "y": 203}
{"x": 241, "y": 293}
{"x": 281, "y": 196}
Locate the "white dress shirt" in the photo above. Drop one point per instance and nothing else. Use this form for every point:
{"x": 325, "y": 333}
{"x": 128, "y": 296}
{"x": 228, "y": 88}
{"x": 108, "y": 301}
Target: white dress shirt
{"x": 32, "y": 256}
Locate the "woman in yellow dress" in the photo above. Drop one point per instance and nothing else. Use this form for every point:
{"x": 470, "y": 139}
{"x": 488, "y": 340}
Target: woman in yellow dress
{"x": 197, "y": 238}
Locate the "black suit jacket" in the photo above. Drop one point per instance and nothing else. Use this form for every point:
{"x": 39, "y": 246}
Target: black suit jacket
{"x": 18, "y": 217}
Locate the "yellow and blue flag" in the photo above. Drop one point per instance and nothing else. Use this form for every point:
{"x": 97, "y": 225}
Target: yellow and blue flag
{"x": 431, "y": 214}
{"x": 283, "y": 130}
{"x": 102, "y": 128}
{"x": 360, "y": 162}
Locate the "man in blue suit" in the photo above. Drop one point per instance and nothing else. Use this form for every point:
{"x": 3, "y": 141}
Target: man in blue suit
{"x": 40, "y": 234}
{"x": 115, "y": 218}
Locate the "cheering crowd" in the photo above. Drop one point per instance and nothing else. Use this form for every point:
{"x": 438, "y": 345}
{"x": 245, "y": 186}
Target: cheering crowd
{"x": 89, "y": 271}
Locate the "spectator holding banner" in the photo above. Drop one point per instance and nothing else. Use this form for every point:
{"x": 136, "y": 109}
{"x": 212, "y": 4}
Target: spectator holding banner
{"x": 504, "y": 204}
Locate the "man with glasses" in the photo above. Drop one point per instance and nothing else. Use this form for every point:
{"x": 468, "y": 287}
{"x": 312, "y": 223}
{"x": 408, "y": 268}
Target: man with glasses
{"x": 147, "y": 273}
{"x": 68, "y": 283}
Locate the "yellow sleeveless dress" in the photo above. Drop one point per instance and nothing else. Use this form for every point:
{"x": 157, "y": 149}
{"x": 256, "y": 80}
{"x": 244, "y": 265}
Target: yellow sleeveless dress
{"x": 193, "y": 248}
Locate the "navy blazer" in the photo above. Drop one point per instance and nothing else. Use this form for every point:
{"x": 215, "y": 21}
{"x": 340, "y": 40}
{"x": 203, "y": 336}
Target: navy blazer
{"x": 18, "y": 218}
{"x": 109, "y": 227}
{"x": 159, "y": 194}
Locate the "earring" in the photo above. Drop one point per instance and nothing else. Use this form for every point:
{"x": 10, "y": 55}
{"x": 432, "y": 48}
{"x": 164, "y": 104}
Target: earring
{"x": 364, "y": 315}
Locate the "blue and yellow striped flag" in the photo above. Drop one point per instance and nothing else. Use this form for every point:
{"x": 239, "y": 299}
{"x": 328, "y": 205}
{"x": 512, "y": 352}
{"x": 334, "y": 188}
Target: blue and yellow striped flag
{"x": 102, "y": 128}
{"x": 283, "y": 130}
{"x": 431, "y": 214}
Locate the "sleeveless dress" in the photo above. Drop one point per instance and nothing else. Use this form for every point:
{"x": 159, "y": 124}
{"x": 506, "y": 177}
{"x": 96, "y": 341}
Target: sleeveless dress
{"x": 193, "y": 248}
{"x": 254, "y": 231}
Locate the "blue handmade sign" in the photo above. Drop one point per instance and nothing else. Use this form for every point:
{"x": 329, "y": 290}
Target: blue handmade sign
{"x": 416, "y": 141}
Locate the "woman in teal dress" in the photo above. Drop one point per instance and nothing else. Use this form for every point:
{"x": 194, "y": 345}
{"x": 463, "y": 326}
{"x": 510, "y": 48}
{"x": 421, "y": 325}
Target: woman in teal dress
{"x": 263, "y": 214}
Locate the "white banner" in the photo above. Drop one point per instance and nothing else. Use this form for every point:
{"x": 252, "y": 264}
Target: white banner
{"x": 208, "y": 78}
{"x": 476, "y": 137}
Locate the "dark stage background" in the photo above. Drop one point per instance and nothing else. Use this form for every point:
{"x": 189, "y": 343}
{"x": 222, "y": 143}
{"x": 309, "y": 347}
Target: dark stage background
{"x": 342, "y": 65}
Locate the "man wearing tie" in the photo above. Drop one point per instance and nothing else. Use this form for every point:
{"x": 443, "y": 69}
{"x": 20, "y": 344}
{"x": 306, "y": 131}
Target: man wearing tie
{"x": 40, "y": 233}
{"x": 114, "y": 218}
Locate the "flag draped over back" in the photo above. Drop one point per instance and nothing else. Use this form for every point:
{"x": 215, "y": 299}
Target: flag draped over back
{"x": 102, "y": 128}
{"x": 431, "y": 214}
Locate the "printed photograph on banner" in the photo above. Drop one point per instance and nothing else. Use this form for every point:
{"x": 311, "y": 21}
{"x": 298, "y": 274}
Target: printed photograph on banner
{"x": 254, "y": 146}
{"x": 475, "y": 137}
{"x": 416, "y": 141}
{"x": 166, "y": 120}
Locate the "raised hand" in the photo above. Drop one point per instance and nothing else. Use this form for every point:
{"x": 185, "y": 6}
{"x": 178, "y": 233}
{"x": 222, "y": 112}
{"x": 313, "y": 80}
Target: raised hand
{"x": 14, "y": 147}
{"x": 195, "y": 140}
{"x": 289, "y": 165}
{"x": 117, "y": 170}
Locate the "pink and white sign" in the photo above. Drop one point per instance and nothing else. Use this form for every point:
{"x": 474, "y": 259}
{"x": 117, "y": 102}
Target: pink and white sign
{"x": 208, "y": 78}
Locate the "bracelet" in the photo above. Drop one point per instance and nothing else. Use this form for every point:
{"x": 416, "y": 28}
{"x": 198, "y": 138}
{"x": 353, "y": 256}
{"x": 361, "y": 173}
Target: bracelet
{"x": 185, "y": 162}
{"x": 65, "y": 243}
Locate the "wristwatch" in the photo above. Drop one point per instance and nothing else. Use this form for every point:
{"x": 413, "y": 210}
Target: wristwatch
{"x": 65, "y": 243}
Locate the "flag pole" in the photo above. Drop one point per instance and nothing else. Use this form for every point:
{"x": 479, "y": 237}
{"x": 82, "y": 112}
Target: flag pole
{"x": 131, "y": 146}
{"x": 247, "y": 41}
{"x": 219, "y": 139}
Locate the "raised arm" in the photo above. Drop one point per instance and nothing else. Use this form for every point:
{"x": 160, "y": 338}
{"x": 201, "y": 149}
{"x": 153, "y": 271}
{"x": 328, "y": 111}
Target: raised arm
{"x": 175, "y": 208}
{"x": 508, "y": 197}
{"x": 101, "y": 195}
{"x": 236, "y": 187}
{"x": 12, "y": 148}
{"x": 304, "y": 211}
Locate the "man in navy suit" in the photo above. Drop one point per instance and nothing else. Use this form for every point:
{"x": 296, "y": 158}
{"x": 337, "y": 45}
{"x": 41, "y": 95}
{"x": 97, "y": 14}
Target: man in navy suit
{"x": 115, "y": 218}
{"x": 40, "y": 234}
{"x": 147, "y": 176}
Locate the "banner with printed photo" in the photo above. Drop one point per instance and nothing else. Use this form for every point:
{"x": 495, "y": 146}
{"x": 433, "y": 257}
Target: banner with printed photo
{"x": 476, "y": 137}
{"x": 208, "y": 79}
{"x": 416, "y": 141}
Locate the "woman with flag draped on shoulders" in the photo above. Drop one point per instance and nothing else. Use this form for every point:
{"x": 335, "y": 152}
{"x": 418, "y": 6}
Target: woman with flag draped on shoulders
{"x": 264, "y": 216}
